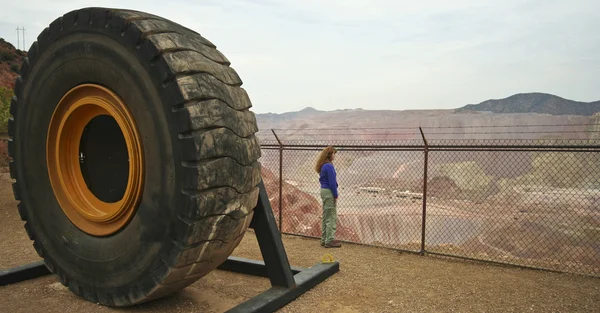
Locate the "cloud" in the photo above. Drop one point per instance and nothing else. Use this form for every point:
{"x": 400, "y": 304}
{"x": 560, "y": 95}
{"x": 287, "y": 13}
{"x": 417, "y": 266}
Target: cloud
{"x": 380, "y": 54}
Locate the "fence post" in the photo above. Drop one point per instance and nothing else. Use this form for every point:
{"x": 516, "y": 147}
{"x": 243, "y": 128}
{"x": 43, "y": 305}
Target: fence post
{"x": 280, "y": 182}
{"x": 425, "y": 163}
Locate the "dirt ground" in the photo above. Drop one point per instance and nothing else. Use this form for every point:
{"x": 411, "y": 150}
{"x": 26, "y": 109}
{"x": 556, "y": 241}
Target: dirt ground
{"x": 370, "y": 280}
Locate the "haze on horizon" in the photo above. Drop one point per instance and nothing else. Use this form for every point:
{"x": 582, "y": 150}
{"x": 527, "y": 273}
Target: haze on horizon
{"x": 378, "y": 54}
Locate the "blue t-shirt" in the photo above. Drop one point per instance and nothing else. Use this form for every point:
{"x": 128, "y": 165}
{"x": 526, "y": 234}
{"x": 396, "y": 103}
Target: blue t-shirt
{"x": 328, "y": 179}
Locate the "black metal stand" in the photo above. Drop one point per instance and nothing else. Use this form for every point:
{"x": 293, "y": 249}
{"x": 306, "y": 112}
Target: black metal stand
{"x": 287, "y": 283}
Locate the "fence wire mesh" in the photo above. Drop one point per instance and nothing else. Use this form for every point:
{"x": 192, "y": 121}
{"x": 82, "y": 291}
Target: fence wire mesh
{"x": 270, "y": 174}
{"x": 531, "y": 208}
{"x": 526, "y": 202}
{"x": 371, "y": 204}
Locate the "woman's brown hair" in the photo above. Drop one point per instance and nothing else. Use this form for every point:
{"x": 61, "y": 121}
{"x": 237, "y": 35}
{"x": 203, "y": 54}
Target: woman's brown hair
{"x": 324, "y": 157}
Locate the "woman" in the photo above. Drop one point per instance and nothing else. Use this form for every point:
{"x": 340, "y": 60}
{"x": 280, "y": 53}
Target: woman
{"x": 329, "y": 195}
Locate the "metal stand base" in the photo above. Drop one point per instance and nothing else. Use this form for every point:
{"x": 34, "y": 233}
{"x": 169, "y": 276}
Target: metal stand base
{"x": 287, "y": 283}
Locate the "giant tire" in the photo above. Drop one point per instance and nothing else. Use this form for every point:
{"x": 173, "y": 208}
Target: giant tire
{"x": 197, "y": 142}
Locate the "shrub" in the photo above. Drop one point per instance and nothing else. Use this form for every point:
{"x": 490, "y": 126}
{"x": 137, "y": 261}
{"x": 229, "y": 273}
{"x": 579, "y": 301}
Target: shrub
{"x": 6, "y": 56}
{"x": 5, "y": 96}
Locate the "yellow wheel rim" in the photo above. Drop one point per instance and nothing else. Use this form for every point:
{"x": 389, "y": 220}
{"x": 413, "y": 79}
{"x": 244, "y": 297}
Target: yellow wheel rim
{"x": 84, "y": 209}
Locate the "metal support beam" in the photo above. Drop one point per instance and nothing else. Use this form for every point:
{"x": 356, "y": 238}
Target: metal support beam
{"x": 250, "y": 267}
{"x": 280, "y": 182}
{"x": 424, "y": 214}
{"x": 270, "y": 243}
{"x": 23, "y": 272}
{"x": 277, "y": 297}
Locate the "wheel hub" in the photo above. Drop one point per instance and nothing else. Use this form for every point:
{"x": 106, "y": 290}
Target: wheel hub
{"x": 94, "y": 159}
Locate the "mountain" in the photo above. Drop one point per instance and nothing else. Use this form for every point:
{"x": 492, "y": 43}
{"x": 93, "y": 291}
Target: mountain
{"x": 10, "y": 63}
{"x": 531, "y": 116}
{"x": 288, "y": 116}
{"x": 535, "y": 103}
{"x": 392, "y": 125}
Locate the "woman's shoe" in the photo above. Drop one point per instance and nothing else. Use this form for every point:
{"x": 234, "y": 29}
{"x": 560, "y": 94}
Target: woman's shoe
{"x": 333, "y": 244}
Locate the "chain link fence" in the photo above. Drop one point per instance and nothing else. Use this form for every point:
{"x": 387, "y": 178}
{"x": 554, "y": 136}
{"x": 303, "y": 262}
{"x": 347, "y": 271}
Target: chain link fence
{"x": 527, "y": 202}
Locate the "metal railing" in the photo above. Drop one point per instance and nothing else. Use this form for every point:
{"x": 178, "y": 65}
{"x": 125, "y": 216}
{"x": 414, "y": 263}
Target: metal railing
{"x": 532, "y": 203}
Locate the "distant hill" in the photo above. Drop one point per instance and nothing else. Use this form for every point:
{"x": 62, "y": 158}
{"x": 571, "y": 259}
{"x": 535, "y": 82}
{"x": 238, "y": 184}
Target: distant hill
{"x": 273, "y": 117}
{"x": 10, "y": 63}
{"x": 534, "y": 116}
{"x": 541, "y": 103}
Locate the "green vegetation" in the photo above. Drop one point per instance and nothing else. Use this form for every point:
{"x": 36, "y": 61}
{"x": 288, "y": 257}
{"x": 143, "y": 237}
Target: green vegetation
{"x": 6, "y": 56}
{"x": 5, "y": 96}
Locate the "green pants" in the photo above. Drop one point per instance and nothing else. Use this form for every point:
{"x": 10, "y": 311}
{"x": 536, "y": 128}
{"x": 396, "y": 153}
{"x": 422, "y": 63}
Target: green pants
{"x": 328, "y": 222}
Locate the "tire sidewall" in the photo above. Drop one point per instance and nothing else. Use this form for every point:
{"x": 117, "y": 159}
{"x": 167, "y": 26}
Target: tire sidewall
{"x": 92, "y": 57}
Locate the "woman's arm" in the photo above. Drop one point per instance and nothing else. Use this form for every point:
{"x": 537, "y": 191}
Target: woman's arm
{"x": 331, "y": 177}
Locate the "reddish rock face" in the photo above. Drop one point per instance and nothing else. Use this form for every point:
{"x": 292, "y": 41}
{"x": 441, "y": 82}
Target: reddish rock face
{"x": 10, "y": 62}
{"x": 301, "y": 212}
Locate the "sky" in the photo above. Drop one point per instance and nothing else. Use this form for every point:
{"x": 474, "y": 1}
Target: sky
{"x": 377, "y": 54}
